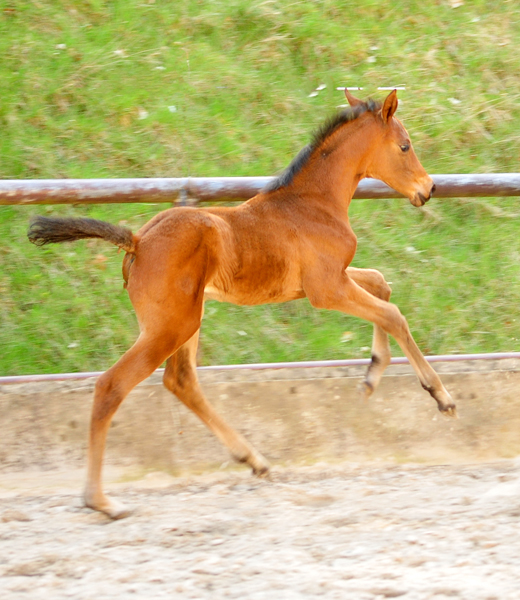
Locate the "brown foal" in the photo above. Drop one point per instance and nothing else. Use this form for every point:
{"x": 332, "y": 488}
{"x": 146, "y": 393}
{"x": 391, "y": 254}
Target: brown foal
{"x": 292, "y": 240}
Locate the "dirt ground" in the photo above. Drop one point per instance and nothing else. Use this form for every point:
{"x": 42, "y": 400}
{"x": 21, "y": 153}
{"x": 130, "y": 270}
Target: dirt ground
{"x": 342, "y": 531}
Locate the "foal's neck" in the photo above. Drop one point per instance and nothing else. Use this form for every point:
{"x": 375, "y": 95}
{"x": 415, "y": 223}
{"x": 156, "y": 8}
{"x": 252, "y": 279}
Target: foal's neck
{"x": 338, "y": 165}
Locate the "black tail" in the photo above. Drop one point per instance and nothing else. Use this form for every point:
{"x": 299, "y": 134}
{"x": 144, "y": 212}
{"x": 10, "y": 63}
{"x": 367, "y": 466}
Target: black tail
{"x": 49, "y": 230}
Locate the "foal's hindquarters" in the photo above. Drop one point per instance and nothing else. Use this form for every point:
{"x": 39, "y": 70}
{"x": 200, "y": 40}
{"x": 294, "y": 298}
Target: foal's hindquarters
{"x": 165, "y": 281}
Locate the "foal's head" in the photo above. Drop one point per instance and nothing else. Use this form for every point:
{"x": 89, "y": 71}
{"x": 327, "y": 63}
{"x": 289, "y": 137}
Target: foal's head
{"x": 393, "y": 159}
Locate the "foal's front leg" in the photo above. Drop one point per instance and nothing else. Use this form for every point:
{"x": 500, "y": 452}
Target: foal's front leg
{"x": 373, "y": 282}
{"x": 347, "y": 296}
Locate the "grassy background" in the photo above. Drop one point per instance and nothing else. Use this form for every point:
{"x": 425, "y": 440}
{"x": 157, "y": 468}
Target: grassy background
{"x": 128, "y": 88}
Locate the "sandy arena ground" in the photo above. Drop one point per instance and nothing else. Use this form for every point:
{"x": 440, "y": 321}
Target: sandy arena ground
{"x": 347, "y": 531}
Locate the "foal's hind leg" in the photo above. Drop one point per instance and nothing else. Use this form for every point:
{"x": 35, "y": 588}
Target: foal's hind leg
{"x": 111, "y": 389}
{"x": 373, "y": 282}
{"x": 180, "y": 377}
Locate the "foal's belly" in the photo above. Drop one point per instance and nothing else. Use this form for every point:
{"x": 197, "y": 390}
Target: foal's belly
{"x": 252, "y": 296}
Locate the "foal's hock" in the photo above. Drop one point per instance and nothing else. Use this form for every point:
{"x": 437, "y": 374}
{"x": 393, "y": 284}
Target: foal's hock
{"x": 292, "y": 240}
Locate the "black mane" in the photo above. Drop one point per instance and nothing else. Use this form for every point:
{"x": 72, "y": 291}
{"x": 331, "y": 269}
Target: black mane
{"x": 326, "y": 130}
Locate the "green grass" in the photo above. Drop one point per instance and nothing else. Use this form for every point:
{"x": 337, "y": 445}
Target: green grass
{"x": 221, "y": 88}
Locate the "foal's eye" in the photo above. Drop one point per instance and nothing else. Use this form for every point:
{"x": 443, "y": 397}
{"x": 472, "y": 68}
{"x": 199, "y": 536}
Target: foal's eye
{"x": 405, "y": 147}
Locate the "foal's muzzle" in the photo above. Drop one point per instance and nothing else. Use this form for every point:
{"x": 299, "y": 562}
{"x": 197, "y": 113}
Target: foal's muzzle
{"x": 420, "y": 199}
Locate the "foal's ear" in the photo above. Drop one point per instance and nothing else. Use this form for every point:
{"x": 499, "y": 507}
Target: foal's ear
{"x": 352, "y": 100}
{"x": 389, "y": 106}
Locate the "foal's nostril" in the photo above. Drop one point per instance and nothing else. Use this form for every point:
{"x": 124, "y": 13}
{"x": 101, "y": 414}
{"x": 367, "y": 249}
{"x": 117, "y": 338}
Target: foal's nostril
{"x": 434, "y": 187}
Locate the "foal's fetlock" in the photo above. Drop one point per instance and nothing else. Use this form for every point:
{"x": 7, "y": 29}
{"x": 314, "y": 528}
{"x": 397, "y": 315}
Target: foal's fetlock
{"x": 374, "y": 374}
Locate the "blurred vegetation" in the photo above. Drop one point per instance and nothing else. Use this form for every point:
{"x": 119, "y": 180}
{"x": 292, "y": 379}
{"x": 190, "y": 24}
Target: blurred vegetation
{"x": 126, "y": 88}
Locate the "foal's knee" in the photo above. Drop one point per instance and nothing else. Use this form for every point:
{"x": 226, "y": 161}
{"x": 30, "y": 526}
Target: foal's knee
{"x": 396, "y": 324}
{"x": 381, "y": 288}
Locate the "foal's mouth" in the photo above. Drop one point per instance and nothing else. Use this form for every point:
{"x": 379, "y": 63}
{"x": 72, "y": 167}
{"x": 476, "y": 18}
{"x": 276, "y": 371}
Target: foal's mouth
{"x": 419, "y": 199}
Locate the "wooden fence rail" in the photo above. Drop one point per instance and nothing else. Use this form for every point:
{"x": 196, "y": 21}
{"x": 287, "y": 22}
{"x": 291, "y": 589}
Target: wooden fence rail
{"x": 192, "y": 190}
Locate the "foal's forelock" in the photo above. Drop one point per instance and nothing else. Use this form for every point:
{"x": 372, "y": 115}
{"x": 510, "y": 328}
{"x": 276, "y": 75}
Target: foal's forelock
{"x": 318, "y": 139}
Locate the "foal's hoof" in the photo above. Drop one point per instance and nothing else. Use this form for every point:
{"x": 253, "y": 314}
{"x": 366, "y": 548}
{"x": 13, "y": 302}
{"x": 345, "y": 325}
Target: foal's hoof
{"x": 119, "y": 511}
{"x": 444, "y": 401}
{"x": 259, "y": 464}
{"x": 255, "y": 460}
{"x": 262, "y": 471}
{"x": 112, "y": 508}
{"x": 366, "y": 389}
{"x": 447, "y": 406}
{"x": 449, "y": 411}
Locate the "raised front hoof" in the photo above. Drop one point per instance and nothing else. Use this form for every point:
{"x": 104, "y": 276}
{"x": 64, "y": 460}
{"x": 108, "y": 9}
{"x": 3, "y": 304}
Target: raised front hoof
{"x": 366, "y": 389}
{"x": 449, "y": 410}
{"x": 110, "y": 507}
{"x": 444, "y": 401}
